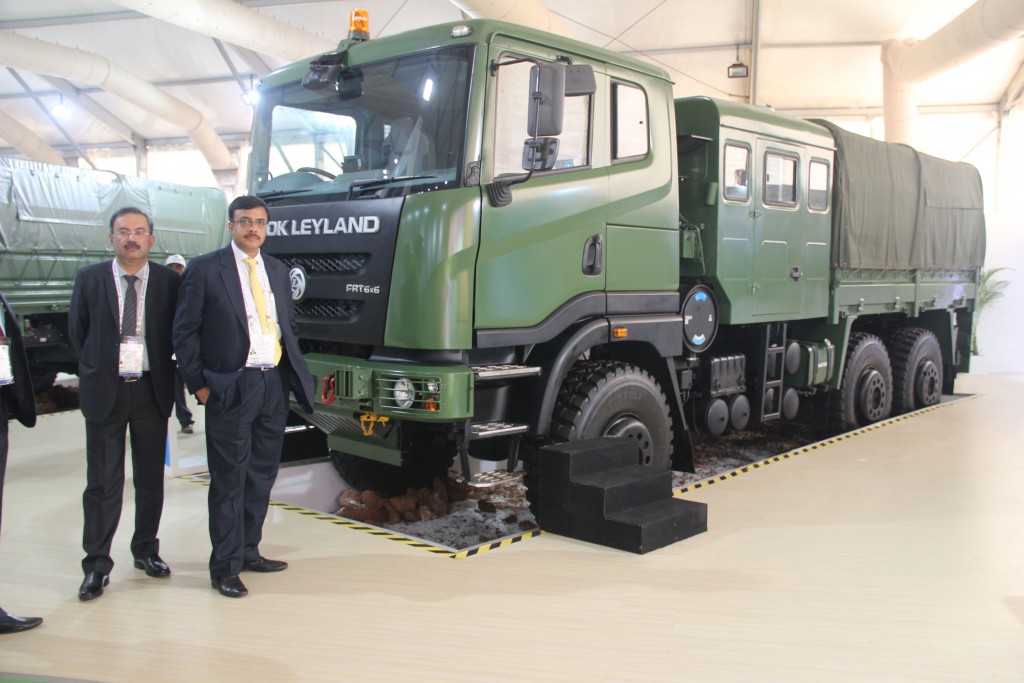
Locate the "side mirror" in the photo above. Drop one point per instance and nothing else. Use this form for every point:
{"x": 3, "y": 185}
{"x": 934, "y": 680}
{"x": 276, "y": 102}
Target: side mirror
{"x": 547, "y": 95}
{"x": 579, "y": 80}
{"x": 540, "y": 154}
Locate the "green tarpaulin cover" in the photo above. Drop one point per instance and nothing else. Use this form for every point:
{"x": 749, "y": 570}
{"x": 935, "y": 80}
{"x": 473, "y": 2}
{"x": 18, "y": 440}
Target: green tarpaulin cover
{"x": 898, "y": 208}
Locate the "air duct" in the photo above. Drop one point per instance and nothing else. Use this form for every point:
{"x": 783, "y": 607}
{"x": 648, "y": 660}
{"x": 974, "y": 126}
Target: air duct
{"x": 981, "y": 27}
{"x": 531, "y": 13}
{"x": 26, "y": 142}
{"x": 237, "y": 25}
{"x": 84, "y": 67}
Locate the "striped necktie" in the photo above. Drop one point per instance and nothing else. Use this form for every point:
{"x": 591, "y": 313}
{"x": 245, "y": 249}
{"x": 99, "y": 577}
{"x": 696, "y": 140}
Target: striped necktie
{"x": 129, "y": 316}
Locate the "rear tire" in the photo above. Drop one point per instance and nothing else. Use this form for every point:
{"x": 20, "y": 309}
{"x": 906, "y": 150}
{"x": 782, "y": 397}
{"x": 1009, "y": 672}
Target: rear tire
{"x": 916, "y": 370}
{"x": 865, "y": 394}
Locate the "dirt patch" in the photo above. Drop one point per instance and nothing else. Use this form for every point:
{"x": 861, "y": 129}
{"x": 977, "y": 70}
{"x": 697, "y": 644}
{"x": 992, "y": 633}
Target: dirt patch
{"x": 479, "y": 516}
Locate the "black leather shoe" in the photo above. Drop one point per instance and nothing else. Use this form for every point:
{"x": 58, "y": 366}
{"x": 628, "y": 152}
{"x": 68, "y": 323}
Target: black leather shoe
{"x": 264, "y": 566}
{"x": 92, "y": 585}
{"x": 229, "y": 586}
{"x": 153, "y": 565}
{"x": 12, "y": 624}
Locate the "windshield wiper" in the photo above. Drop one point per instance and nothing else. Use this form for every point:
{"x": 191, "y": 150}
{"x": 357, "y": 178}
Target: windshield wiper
{"x": 375, "y": 183}
{"x": 283, "y": 193}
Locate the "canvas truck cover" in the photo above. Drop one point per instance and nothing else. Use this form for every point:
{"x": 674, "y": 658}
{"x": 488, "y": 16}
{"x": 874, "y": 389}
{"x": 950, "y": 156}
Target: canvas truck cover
{"x": 895, "y": 207}
{"x": 56, "y": 219}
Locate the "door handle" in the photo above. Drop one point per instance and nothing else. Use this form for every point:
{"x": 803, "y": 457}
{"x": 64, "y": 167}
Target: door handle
{"x": 593, "y": 255}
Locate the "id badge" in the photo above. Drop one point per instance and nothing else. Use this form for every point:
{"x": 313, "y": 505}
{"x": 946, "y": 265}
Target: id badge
{"x": 6, "y": 374}
{"x": 130, "y": 359}
{"x": 261, "y": 351}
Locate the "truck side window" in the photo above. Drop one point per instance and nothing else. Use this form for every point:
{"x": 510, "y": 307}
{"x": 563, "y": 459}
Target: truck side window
{"x": 513, "y": 96}
{"x": 630, "y": 125}
{"x": 817, "y": 185}
{"x": 736, "y": 170}
{"x": 780, "y": 179}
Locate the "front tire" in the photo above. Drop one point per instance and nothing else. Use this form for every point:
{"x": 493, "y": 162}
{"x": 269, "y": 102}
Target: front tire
{"x": 428, "y": 455}
{"x": 611, "y": 398}
{"x": 916, "y": 369}
{"x": 865, "y": 394}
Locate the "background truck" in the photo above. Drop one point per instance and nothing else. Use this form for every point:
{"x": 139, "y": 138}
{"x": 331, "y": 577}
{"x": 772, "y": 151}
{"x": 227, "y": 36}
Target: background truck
{"x": 56, "y": 219}
{"x": 500, "y": 238}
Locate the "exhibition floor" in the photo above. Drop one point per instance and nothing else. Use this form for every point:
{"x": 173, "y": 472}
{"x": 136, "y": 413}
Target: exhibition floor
{"x": 894, "y": 555}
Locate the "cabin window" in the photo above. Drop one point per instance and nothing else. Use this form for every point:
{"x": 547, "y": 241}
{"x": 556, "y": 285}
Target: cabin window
{"x": 817, "y": 185}
{"x": 510, "y": 129}
{"x": 780, "y": 179}
{"x": 630, "y": 127}
{"x": 736, "y": 179}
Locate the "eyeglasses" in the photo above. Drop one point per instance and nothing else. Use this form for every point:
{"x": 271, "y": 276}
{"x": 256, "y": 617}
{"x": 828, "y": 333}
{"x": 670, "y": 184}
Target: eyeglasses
{"x": 247, "y": 222}
{"x": 124, "y": 233}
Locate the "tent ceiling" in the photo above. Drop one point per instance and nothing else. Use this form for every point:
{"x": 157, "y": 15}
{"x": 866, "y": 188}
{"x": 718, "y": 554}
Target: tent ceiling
{"x": 817, "y": 56}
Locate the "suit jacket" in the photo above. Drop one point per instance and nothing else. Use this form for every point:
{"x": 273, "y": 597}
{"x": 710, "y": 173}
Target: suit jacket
{"x": 19, "y": 398}
{"x": 211, "y": 335}
{"x": 94, "y": 324}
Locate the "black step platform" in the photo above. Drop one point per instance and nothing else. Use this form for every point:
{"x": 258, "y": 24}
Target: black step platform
{"x": 596, "y": 491}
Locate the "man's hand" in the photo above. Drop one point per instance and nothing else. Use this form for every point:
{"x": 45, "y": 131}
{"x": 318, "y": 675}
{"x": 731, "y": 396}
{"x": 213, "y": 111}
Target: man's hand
{"x": 203, "y": 394}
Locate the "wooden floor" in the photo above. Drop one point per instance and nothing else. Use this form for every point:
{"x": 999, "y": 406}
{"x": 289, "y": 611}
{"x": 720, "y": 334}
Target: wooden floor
{"x": 893, "y": 555}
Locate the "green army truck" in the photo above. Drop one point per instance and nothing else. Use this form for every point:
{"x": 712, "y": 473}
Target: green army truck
{"x": 500, "y": 239}
{"x": 56, "y": 219}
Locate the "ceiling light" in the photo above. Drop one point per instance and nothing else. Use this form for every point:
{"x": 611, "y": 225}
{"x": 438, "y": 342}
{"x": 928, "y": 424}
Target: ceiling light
{"x": 251, "y": 98}
{"x": 61, "y": 110}
{"x": 738, "y": 69}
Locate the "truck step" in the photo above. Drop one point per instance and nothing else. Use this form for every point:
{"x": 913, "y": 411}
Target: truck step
{"x": 487, "y": 430}
{"x": 589, "y": 495}
{"x": 487, "y": 480}
{"x": 491, "y": 372}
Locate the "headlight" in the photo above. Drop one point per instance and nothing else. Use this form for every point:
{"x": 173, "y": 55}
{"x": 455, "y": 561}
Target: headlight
{"x": 432, "y": 386}
{"x": 404, "y": 393}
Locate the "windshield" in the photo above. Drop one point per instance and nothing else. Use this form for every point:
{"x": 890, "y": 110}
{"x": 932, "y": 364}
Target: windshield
{"x": 387, "y": 129}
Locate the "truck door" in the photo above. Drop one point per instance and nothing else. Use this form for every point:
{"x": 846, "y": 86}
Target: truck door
{"x": 544, "y": 250}
{"x": 778, "y": 270}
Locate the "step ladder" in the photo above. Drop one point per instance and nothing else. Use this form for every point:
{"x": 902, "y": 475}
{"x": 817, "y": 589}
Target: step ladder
{"x": 595, "y": 490}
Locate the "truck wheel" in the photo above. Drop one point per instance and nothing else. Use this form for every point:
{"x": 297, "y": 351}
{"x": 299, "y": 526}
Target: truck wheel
{"x": 611, "y": 398}
{"x": 916, "y": 369}
{"x": 865, "y": 395}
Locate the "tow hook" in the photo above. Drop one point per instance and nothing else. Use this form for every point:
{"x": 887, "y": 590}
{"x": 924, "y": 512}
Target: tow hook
{"x": 327, "y": 393}
{"x": 368, "y": 421}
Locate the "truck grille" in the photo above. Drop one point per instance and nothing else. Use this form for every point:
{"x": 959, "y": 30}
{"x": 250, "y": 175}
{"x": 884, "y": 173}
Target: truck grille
{"x": 335, "y": 263}
{"x": 337, "y": 309}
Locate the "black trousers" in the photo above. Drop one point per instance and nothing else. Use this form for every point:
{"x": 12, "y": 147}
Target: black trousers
{"x": 135, "y": 410}
{"x": 244, "y": 434}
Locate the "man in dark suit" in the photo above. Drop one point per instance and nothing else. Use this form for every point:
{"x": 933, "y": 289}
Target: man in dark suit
{"x": 17, "y": 400}
{"x": 237, "y": 345}
{"x": 120, "y": 321}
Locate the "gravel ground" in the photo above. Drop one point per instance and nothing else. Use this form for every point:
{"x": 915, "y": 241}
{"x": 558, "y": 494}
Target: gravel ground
{"x": 493, "y": 514}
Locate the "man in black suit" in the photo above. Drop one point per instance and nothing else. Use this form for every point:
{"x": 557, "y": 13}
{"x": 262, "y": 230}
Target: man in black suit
{"x": 237, "y": 345}
{"x": 17, "y": 400}
{"x": 120, "y": 321}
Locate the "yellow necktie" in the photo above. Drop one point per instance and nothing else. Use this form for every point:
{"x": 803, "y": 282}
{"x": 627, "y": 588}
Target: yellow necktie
{"x": 261, "y": 307}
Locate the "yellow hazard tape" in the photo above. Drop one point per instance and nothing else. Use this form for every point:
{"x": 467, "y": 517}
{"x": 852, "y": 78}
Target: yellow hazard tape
{"x": 813, "y": 447}
{"x": 391, "y": 535}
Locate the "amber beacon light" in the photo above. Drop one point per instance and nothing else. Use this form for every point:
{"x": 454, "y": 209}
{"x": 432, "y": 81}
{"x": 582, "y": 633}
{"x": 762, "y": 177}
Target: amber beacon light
{"x": 359, "y": 25}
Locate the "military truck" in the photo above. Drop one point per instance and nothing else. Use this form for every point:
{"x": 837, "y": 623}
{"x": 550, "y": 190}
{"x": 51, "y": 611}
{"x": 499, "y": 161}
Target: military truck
{"x": 55, "y": 219}
{"x": 500, "y": 238}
